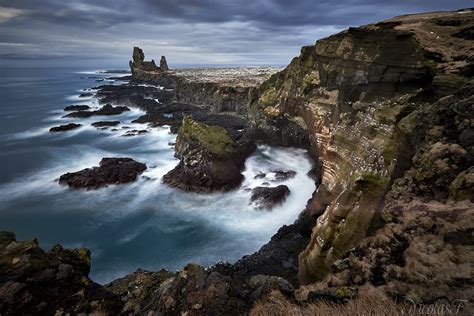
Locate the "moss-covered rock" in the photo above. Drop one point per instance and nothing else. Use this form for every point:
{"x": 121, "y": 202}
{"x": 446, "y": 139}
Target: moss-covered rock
{"x": 215, "y": 139}
{"x": 210, "y": 158}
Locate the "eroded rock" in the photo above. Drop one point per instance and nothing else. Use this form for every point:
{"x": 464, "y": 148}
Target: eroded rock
{"x": 26, "y": 269}
{"x": 76, "y": 108}
{"x": 105, "y": 110}
{"x": 267, "y": 198}
{"x": 66, "y": 127}
{"x": 110, "y": 171}
{"x": 105, "y": 123}
{"x": 210, "y": 158}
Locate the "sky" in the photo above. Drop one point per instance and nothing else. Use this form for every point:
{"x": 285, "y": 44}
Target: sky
{"x": 187, "y": 32}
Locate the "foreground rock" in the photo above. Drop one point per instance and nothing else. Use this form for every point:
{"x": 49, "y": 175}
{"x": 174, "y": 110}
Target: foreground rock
{"x": 210, "y": 158}
{"x": 105, "y": 110}
{"x": 77, "y": 108}
{"x": 110, "y": 171}
{"x": 193, "y": 291}
{"x": 35, "y": 282}
{"x": 267, "y": 198}
{"x": 66, "y": 127}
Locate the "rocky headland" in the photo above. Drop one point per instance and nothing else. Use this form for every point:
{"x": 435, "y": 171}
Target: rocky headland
{"x": 387, "y": 113}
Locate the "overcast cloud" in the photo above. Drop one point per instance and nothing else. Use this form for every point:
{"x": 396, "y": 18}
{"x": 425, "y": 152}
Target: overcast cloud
{"x": 186, "y": 31}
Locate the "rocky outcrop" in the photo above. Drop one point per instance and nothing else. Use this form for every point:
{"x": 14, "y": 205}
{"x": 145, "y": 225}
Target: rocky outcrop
{"x": 139, "y": 64}
{"x": 163, "y": 64}
{"x": 138, "y": 288}
{"x": 110, "y": 171}
{"x": 105, "y": 110}
{"x": 222, "y": 90}
{"x": 211, "y": 158}
{"x": 267, "y": 198}
{"x": 346, "y": 97}
{"x": 147, "y": 71}
{"x": 66, "y": 127}
{"x": 76, "y": 108}
{"x": 35, "y": 282}
{"x": 105, "y": 123}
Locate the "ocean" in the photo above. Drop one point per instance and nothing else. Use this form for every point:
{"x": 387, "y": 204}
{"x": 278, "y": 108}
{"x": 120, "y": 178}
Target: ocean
{"x": 145, "y": 224}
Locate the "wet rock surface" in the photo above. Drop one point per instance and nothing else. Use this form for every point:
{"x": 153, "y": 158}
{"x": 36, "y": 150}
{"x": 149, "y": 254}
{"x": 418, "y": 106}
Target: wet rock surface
{"x": 105, "y": 123}
{"x": 76, "y": 108}
{"x": 282, "y": 175}
{"x": 86, "y": 95}
{"x": 110, "y": 171}
{"x": 267, "y": 198}
{"x": 105, "y": 110}
{"x": 135, "y": 132}
{"x": 66, "y": 127}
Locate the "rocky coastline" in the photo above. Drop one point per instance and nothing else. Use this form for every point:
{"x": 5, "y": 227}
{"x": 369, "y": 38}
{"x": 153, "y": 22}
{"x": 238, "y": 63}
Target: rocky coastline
{"x": 391, "y": 130}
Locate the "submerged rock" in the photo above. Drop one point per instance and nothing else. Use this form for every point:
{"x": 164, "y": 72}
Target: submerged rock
{"x": 105, "y": 123}
{"x": 267, "y": 198}
{"x": 281, "y": 175}
{"x": 135, "y": 132}
{"x": 76, "y": 108}
{"x": 105, "y": 110}
{"x": 86, "y": 95}
{"x": 66, "y": 127}
{"x": 110, "y": 171}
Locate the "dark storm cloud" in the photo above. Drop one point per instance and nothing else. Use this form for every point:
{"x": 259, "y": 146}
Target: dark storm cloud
{"x": 208, "y": 31}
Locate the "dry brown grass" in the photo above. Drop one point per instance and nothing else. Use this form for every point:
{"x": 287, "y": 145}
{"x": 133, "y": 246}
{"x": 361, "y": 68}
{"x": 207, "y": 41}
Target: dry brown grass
{"x": 275, "y": 304}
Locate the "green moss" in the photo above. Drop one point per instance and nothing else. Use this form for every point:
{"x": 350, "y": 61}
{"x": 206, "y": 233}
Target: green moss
{"x": 371, "y": 181}
{"x": 309, "y": 80}
{"x": 84, "y": 255}
{"x": 268, "y": 97}
{"x": 215, "y": 139}
{"x": 345, "y": 292}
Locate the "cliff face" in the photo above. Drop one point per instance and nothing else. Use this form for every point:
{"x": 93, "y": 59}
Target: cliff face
{"x": 349, "y": 94}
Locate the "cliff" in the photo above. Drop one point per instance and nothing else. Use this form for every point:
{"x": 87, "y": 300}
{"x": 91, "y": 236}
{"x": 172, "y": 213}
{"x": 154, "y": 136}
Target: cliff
{"x": 386, "y": 110}
{"x": 352, "y": 95}
{"x": 222, "y": 89}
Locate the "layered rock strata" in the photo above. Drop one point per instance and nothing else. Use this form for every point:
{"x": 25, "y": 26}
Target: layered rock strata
{"x": 350, "y": 94}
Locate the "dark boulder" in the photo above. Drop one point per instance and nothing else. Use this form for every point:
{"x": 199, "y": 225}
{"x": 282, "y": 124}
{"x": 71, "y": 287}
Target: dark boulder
{"x": 267, "y": 198}
{"x": 105, "y": 110}
{"x": 281, "y": 175}
{"x": 105, "y": 123}
{"x": 77, "y": 108}
{"x": 110, "y": 171}
{"x": 66, "y": 127}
